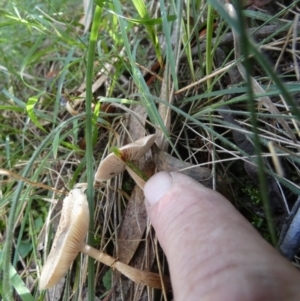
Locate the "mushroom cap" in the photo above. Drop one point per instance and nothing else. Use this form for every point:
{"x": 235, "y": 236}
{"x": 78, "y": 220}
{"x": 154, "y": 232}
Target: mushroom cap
{"x": 69, "y": 238}
{"x": 113, "y": 165}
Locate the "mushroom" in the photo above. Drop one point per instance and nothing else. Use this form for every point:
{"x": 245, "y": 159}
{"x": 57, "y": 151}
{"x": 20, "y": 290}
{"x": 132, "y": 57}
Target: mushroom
{"x": 69, "y": 241}
{"x": 69, "y": 238}
{"x": 122, "y": 158}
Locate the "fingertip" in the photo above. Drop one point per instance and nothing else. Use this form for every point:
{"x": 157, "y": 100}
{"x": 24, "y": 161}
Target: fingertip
{"x": 157, "y": 186}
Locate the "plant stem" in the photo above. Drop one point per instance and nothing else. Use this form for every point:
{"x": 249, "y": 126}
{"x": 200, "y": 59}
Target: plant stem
{"x": 136, "y": 170}
{"x": 209, "y": 57}
{"x": 89, "y": 145}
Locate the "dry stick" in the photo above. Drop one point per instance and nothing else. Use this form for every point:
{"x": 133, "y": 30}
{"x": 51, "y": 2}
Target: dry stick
{"x": 205, "y": 78}
{"x": 34, "y": 184}
{"x": 264, "y": 100}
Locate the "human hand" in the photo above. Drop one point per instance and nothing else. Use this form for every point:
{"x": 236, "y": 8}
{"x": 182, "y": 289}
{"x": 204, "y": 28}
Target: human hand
{"x": 213, "y": 252}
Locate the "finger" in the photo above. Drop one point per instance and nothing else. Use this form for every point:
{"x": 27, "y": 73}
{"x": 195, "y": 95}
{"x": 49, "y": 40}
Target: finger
{"x": 211, "y": 249}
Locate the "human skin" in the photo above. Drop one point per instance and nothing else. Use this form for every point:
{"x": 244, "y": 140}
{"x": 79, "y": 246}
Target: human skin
{"x": 213, "y": 252}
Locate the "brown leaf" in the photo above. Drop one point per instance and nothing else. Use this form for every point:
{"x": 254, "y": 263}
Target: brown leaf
{"x": 133, "y": 226}
{"x": 165, "y": 162}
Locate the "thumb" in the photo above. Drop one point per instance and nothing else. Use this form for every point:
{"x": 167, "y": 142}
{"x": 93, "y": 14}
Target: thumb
{"x": 212, "y": 251}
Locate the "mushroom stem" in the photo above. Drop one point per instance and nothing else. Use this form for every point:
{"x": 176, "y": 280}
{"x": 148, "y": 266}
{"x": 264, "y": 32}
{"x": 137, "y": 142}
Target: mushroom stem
{"x": 137, "y": 175}
{"x": 130, "y": 165}
{"x": 136, "y": 275}
{"x": 137, "y": 179}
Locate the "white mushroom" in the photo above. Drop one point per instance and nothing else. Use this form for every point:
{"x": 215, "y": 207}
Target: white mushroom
{"x": 69, "y": 241}
{"x": 113, "y": 165}
{"x": 69, "y": 238}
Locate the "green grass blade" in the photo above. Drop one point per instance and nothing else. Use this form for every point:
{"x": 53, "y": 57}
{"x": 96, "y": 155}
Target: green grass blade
{"x": 143, "y": 12}
{"x": 19, "y": 285}
{"x": 137, "y": 76}
{"x": 32, "y": 101}
{"x": 89, "y": 141}
{"x": 209, "y": 36}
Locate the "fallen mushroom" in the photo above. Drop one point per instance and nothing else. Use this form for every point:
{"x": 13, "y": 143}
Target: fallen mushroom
{"x": 69, "y": 241}
{"x": 122, "y": 158}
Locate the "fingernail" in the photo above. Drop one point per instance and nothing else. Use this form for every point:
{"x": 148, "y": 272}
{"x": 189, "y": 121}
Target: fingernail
{"x": 157, "y": 187}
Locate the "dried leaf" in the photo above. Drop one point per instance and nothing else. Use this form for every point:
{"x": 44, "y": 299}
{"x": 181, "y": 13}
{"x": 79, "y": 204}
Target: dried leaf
{"x": 165, "y": 162}
{"x": 133, "y": 226}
